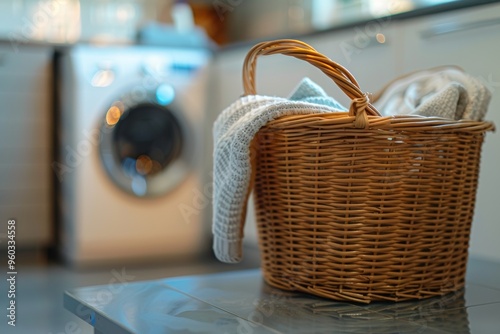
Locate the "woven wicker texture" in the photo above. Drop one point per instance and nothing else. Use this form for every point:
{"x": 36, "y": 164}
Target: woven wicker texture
{"x": 354, "y": 206}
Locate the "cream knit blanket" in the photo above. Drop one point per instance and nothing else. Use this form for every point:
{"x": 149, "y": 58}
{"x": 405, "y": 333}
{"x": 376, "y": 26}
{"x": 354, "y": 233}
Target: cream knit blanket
{"x": 234, "y": 130}
{"x": 444, "y": 92}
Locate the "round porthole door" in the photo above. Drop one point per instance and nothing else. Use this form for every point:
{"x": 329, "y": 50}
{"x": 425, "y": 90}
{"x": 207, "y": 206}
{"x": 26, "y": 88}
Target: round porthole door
{"x": 145, "y": 147}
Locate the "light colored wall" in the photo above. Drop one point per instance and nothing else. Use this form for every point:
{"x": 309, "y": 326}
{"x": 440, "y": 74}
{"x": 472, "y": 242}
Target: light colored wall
{"x": 67, "y": 21}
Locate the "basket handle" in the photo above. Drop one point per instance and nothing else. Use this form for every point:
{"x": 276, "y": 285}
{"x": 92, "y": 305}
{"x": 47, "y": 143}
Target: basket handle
{"x": 360, "y": 105}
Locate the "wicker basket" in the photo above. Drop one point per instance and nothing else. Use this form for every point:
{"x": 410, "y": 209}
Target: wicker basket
{"x": 358, "y": 207}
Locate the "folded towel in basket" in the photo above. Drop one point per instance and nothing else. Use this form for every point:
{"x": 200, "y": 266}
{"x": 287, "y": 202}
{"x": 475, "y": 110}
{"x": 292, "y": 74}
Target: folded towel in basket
{"x": 443, "y": 92}
{"x": 233, "y": 133}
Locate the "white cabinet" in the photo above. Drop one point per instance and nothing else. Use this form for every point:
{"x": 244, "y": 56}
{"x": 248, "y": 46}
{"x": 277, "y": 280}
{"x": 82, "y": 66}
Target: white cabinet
{"x": 26, "y": 143}
{"x": 469, "y": 38}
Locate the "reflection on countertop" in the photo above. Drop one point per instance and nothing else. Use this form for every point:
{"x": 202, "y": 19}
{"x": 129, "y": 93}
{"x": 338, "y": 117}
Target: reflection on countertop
{"x": 40, "y": 287}
{"x": 237, "y": 301}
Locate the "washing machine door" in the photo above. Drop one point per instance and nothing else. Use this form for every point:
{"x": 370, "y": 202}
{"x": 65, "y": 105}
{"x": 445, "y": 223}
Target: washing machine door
{"x": 145, "y": 147}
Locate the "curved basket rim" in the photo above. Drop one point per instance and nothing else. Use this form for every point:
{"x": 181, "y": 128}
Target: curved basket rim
{"x": 416, "y": 123}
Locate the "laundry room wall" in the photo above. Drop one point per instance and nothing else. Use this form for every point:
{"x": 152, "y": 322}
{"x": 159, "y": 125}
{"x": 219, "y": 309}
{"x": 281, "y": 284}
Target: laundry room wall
{"x": 69, "y": 21}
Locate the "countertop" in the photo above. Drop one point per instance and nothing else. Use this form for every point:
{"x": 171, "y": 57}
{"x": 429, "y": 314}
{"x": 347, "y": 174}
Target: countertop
{"x": 40, "y": 287}
{"x": 241, "y": 302}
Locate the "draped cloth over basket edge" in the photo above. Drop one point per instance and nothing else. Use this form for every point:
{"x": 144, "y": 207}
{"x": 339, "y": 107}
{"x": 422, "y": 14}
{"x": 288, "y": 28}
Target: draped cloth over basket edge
{"x": 234, "y": 131}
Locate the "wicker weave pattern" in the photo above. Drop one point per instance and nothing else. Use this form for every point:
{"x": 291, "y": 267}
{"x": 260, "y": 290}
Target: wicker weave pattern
{"x": 380, "y": 211}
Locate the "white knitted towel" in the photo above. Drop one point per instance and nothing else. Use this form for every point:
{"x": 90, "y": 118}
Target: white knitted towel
{"x": 234, "y": 130}
{"x": 445, "y": 92}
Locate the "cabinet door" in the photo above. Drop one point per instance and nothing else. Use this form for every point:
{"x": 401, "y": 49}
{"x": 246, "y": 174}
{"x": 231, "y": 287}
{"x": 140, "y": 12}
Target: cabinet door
{"x": 26, "y": 143}
{"x": 469, "y": 38}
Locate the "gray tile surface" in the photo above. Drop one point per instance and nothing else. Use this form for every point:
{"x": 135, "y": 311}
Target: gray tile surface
{"x": 40, "y": 289}
{"x": 258, "y": 308}
{"x": 153, "y": 307}
{"x": 484, "y": 319}
{"x": 40, "y": 299}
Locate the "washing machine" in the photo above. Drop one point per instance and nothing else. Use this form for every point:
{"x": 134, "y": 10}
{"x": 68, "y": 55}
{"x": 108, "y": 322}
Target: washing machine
{"x": 131, "y": 151}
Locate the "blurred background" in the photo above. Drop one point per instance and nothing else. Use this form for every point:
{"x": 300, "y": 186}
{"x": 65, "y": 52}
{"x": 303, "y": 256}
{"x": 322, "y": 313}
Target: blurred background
{"x": 107, "y": 108}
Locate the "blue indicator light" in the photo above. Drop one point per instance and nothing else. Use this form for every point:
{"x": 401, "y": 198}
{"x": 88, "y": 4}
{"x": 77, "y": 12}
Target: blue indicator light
{"x": 165, "y": 94}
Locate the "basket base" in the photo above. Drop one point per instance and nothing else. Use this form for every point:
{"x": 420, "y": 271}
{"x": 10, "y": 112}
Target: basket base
{"x": 344, "y": 292}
